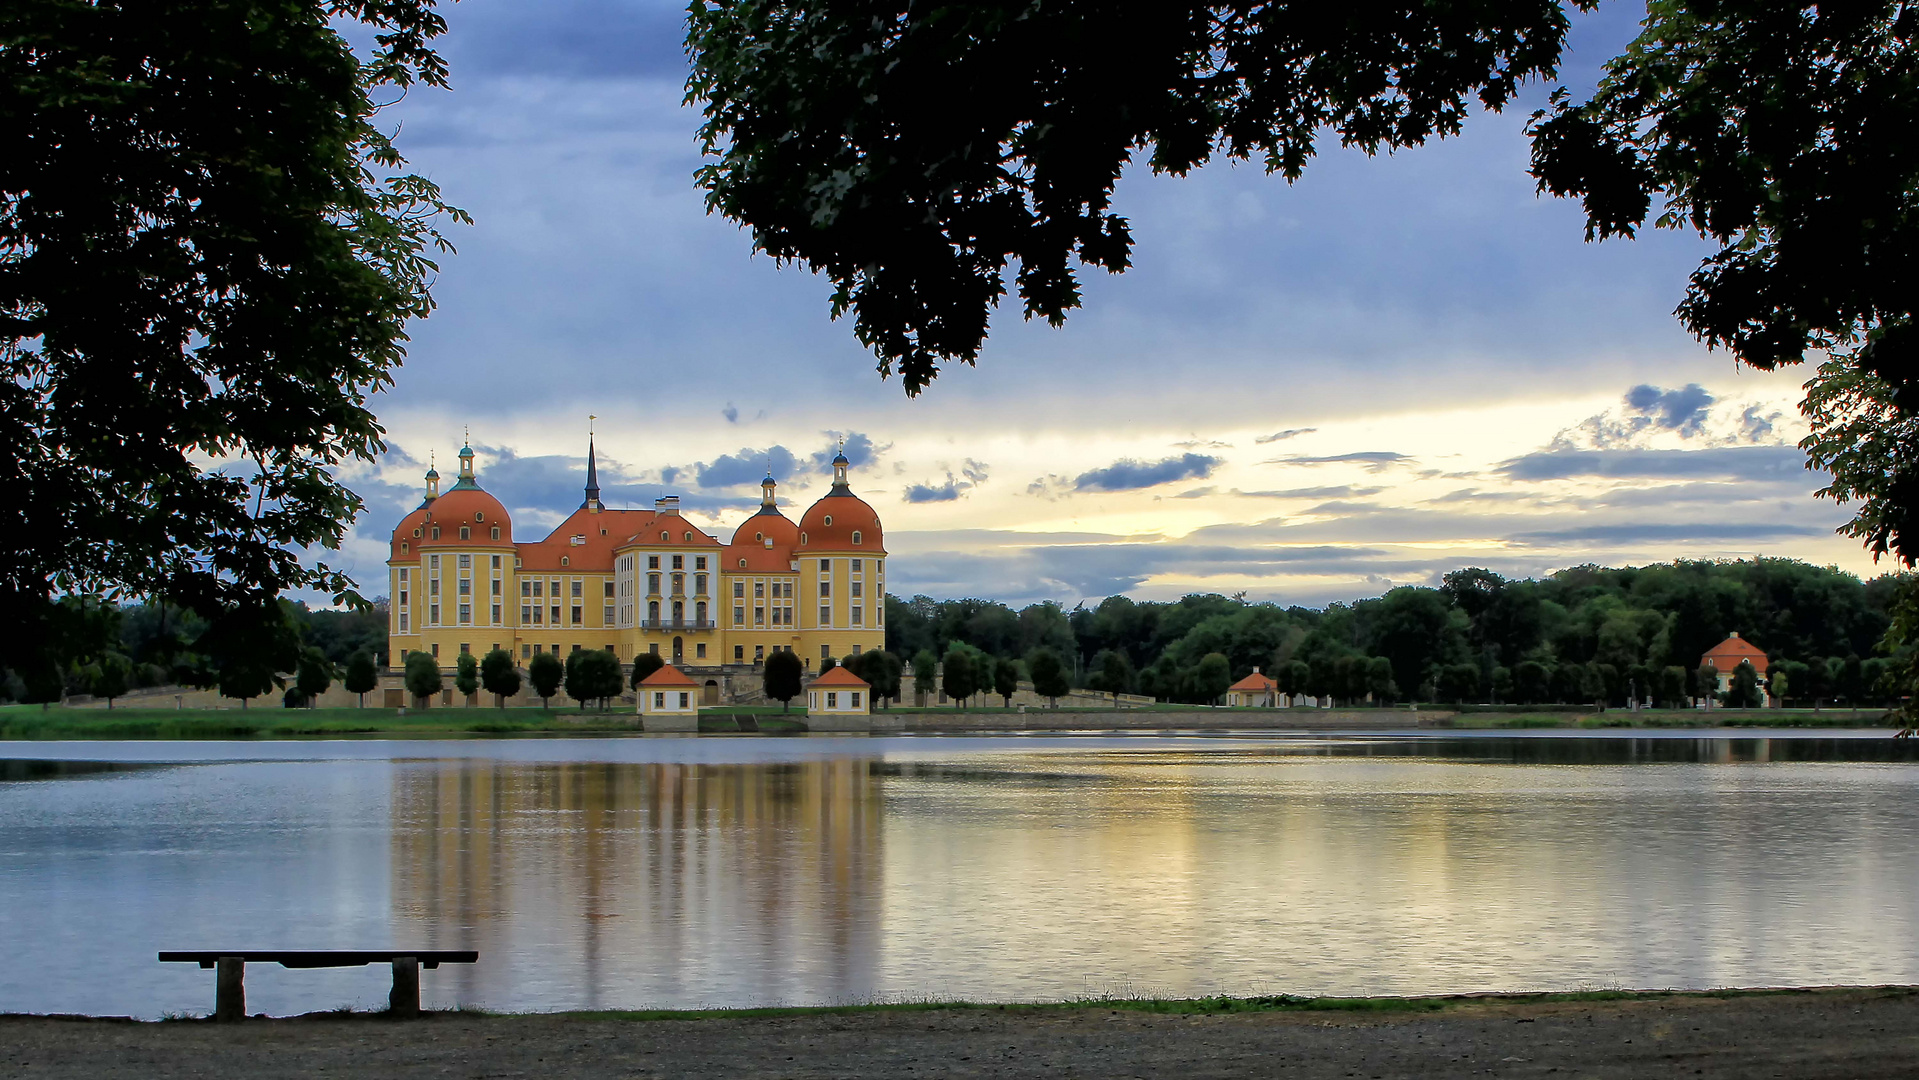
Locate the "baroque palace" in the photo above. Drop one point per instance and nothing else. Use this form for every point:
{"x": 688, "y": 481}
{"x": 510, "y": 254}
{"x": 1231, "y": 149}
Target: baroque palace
{"x": 634, "y": 581}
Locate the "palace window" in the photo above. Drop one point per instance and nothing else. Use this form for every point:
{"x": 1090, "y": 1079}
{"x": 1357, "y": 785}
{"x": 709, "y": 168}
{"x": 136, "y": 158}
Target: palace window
{"x": 856, "y": 590}
{"x": 679, "y": 562}
{"x": 466, "y": 614}
{"x": 826, "y": 589}
{"x": 826, "y": 616}
{"x": 433, "y": 562}
{"x": 699, "y": 562}
{"x": 433, "y": 587}
{"x": 526, "y": 615}
{"x": 699, "y": 650}
{"x": 466, "y": 586}
{"x": 496, "y": 562}
{"x": 739, "y": 589}
{"x": 652, "y": 562}
{"x": 496, "y": 586}
{"x": 699, "y": 584}
{"x": 609, "y": 588}
{"x": 403, "y": 596}
{"x": 826, "y": 565}
{"x": 759, "y": 653}
{"x": 739, "y": 652}
{"x": 402, "y": 622}
{"x": 856, "y": 615}
{"x": 466, "y": 562}
{"x": 699, "y": 612}
{"x": 832, "y": 699}
{"x": 579, "y": 615}
{"x": 759, "y": 589}
{"x": 607, "y": 616}
{"x": 759, "y": 616}
{"x": 496, "y": 614}
{"x": 679, "y": 584}
{"x": 653, "y": 584}
{"x": 554, "y": 613}
{"x": 578, "y": 588}
{"x": 653, "y": 611}
{"x": 526, "y": 652}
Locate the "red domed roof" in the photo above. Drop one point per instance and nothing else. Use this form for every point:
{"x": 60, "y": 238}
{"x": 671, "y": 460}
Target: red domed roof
{"x": 830, "y": 523}
{"x": 403, "y": 532}
{"x": 468, "y": 506}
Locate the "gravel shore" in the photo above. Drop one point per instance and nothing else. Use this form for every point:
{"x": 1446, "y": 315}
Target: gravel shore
{"x": 1852, "y": 1033}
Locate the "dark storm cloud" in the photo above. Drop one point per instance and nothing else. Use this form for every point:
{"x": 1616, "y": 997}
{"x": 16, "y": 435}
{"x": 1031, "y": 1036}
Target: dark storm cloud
{"x": 1683, "y": 410}
{"x": 1745, "y": 462}
{"x": 1372, "y": 460}
{"x": 1128, "y": 474}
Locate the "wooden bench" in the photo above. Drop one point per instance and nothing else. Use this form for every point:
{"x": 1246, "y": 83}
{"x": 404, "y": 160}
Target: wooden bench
{"x": 230, "y": 995}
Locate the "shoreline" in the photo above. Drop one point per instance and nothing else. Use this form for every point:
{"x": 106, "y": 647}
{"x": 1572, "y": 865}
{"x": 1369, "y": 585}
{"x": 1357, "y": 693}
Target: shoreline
{"x": 1851, "y": 1031}
{"x": 31, "y": 723}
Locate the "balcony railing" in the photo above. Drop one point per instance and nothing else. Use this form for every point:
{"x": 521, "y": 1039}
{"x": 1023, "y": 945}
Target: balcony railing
{"x": 677, "y": 624}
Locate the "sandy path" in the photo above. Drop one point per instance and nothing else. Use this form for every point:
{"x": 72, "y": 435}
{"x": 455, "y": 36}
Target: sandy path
{"x": 1840, "y": 1033}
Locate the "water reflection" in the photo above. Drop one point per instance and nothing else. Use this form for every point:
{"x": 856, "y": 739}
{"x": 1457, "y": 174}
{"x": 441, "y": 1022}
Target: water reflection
{"x": 631, "y": 873}
{"x": 722, "y": 881}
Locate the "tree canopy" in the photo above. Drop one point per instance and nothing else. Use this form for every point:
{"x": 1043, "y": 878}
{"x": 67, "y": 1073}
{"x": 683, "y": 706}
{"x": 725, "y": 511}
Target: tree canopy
{"x": 910, "y": 152}
{"x": 209, "y": 252}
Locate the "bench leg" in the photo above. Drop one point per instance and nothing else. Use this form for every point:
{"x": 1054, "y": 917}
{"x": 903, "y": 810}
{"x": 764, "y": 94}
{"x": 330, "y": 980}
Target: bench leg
{"x": 230, "y": 989}
{"x": 405, "y": 997}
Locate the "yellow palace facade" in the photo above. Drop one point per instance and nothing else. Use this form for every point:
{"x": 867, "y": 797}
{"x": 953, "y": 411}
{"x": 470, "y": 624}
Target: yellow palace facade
{"x": 637, "y": 581}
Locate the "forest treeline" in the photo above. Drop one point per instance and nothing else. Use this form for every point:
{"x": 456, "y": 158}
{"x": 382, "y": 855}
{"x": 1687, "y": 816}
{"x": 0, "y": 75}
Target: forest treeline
{"x": 106, "y": 649}
{"x": 1582, "y": 635}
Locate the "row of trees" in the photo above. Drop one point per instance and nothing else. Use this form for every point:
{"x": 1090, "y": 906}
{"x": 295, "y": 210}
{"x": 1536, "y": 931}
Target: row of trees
{"x": 1582, "y": 635}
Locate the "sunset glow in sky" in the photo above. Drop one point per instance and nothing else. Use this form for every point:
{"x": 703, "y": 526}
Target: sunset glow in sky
{"x": 1396, "y": 367}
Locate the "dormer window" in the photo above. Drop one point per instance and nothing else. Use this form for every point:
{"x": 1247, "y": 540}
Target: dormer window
{"x": 829, "y": 521}
{"x": 802, "y": 539}
{"x": 689, "y": 538}
{"x": 466, "y": 533}
{"x": 478, "y": 516}
{"x": 665, "y": 537}
{"x": 496, "y": 533}
{"x": 403, "y": 547}
{"x": 436, "y": 532}
{"x": 566, "y": 560}
{"x": 856, "y": 536}
{"x": 758, "y": 536}
{"x": 416, "y": 533}
{"x": 742, "y": 561}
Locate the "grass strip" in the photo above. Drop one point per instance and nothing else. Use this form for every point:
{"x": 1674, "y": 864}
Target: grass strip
{"x": 1207, "y": 1006}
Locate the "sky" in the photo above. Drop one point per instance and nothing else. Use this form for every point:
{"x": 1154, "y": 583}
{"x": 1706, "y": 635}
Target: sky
{"x": 1398, "y": 366}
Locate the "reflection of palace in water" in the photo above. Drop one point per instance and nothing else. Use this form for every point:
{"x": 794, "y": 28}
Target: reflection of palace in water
{"x": 632, "y": 884}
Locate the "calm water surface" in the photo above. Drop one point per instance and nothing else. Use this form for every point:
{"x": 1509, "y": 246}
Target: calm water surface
{"x": 697, "y": 872}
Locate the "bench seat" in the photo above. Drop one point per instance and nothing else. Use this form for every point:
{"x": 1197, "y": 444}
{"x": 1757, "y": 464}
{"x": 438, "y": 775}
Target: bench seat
{"x": 230, "y": 996}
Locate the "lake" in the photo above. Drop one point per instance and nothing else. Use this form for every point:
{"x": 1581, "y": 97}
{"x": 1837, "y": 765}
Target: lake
{"x": 684, "y": 872}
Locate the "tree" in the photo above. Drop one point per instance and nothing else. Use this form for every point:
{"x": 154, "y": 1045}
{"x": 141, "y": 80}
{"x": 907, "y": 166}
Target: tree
{"x": 209, "y": 253}
{"x": 780, "y": 676}
{"x": 645, "y": 664}
{"x": 881, "y": 670}
{"x": 1743, "y": 693}
{"x": 1532, "y": 682}
{"x": 1779, "y": 680}
{"x": 1300, "y": 675}
{"x": 1006, "y": 679}
{"x": 1672, "y": 686}
{"x": 1458, "y": 683}
{"x": 1049, "y": 675}
{"x": 828, "y": 663}
{"x": 546, "y": 673}
{"x": 909, "y": 152}
{"x": 1705, "y": 682}
{"x": 1502, "y": 685}
{"x": 1379, "y": 680}
{"x": 499, "y": 676}
{"x": 361, "y": 675}
{"x": 422, "y": 676}
{"x": 110, "y": 677}
{"x": 466, "y": 674}
{"x": 1211, "y": 676}
{"x": 1816, "y": 683}
{"x": 313, "y": 675}
{"x": 959, "y": 675}
{"x": 1113, "y": 673}
{"x": 1780, "y": 134}
{"x": 925, "y": 673}
{"x": 593, "y": 675}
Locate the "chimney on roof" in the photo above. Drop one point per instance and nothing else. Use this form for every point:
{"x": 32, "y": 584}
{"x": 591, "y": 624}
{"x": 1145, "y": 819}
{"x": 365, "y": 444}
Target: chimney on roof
{"x": 668, "y": 505}
{"x": 1255, "y": 669}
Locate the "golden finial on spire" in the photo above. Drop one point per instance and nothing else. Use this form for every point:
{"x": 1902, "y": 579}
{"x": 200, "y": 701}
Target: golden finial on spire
{"x": 589, "y": 423}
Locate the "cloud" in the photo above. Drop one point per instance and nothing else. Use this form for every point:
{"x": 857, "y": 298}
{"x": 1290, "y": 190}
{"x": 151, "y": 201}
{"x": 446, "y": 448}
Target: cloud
{"x": 928, "y": 493}
{"x": 1196, "y": 493}
{"x": 1128, "y": 474}
{"x": 1287, "y": 434}
{"x": 859, "y": 448}
{"x": 1337, "y": 491}
{"x": 1667, "y": 533}
{"x": 1754, "y": 427}
{"x": 974, "y": 471}
{"x": 731, "y": 412}
{"x": 1741, "y": 462}
{"x": 1372, "y": 460}
{"x": 1683, "y": 410}
{"x": 747, "y": 467}
{"x": 1203, "y": 444}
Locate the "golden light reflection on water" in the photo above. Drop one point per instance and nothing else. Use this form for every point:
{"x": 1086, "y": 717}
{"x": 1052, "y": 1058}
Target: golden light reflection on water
{"x": 1024, "y": 876}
